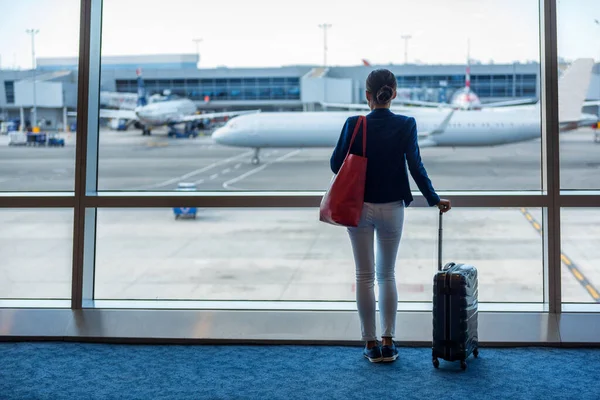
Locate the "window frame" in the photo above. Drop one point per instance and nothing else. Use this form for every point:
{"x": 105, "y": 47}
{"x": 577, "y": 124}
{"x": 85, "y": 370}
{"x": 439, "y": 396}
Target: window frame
{"x": 86, "y": 198}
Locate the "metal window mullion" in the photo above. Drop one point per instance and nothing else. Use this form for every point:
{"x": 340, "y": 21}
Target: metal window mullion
{"x": 284, "y": 200}
{"x": 31, "y": 200}
{"x": 550, "y": 155}
{"x": 588, "y": 201}
{"x": 86, "y": 148}
{"x": 81, "y": 135}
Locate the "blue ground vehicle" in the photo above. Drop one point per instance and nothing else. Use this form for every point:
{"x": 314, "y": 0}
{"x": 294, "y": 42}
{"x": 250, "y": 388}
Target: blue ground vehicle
{"x": 185, "y": 212}
{"x": 189, "y": 131}
{"x": 36, "y": 139}
{"x": 55, "y": 141}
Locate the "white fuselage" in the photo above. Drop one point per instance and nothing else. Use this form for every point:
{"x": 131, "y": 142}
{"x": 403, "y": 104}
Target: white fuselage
{"x": 165, "y": 112}
{"x": 322, "y": 129}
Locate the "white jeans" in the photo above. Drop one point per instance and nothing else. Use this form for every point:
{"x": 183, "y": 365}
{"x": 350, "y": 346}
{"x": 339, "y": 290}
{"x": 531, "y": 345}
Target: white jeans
{"x": 386, "y": 220}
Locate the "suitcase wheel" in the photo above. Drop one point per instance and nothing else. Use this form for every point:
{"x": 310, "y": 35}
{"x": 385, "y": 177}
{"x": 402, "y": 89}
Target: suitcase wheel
{"x": 436, "y": 362}
{"x": 476, "y": 353}
{"x": 463, "y": 365}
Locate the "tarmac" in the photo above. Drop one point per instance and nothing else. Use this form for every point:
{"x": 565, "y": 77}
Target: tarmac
{"x": 284, "y": 254}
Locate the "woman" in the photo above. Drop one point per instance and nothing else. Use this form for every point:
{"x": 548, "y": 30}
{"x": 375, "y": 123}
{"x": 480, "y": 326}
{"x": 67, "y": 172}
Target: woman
{"x": 391, "y": 144}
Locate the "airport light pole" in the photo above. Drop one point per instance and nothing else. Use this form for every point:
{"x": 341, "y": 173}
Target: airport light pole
{"x": 324, "y": 27}
{"x": 33, "y": 32}
{"x": 197, "y": 41}
{"x": 406, "y": 38}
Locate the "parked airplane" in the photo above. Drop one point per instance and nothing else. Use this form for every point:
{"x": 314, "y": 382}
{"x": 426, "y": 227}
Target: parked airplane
{"x": 171, "y": 111}
{"x": 437, "y": 127}
{"x": 465, "y": 98}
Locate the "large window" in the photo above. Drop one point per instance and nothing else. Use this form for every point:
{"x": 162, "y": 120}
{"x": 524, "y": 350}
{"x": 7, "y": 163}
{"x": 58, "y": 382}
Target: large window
{"x": 37, "y": 251}
{"x": 37, "y": 146}
{"x": 168, "y": 138}
{"x": 243, "y": 67}
{"x": 579, "y": 179}
{"x": 580, "y": 255}
{"x": 288, "y": 255}
{"x": 579, "y": 147}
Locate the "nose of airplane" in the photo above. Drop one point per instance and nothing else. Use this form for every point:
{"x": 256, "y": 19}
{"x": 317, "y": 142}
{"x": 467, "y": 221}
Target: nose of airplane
{"x": 222, "y": 136}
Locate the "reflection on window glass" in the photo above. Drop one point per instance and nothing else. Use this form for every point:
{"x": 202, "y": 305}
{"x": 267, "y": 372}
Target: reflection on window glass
{"x": 38, "y": 94}
{"x": 580, "y": 233}
{"x": 579, "y": 99}
{"x": 36, "y": 248}
{"x": 287, "y": 255}
{"x": 192, "y": 85}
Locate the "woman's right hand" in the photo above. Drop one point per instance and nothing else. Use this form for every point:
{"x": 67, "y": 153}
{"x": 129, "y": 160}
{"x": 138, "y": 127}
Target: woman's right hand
{"x": 444, "y": 205}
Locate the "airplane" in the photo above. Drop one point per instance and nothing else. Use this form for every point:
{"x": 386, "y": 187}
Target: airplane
{"x": 462, "y": 99}
{"x": 169, "y": 111}
{"x": 465, "y": 98}
{"x": 437, "y": 127}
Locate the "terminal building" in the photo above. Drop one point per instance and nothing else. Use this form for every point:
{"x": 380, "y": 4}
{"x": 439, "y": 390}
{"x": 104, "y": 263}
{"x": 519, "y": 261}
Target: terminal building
{"x": 288, "y": 88}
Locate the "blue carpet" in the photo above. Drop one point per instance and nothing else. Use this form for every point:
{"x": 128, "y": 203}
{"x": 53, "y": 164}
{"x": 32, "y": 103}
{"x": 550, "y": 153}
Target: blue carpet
{"x": 99, "y": 371}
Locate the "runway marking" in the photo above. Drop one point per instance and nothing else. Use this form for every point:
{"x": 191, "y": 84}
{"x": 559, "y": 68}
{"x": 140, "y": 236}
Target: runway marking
{"x": 226, "y": 171}
{"x": 196, "y": 172}
{"x": 237, "y": 166}
{"x": 593, "y": 292}
{"x": 566, "y": 260}
{"x": 213, "y": 176}
{"x": 199, "y": 182}
{"x": 227, "y": 185}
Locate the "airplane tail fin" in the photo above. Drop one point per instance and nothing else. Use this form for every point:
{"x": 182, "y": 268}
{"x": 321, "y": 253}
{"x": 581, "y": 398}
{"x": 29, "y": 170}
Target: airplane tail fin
{"x": 141, "y": 89}
{"x": 572, "y": 89}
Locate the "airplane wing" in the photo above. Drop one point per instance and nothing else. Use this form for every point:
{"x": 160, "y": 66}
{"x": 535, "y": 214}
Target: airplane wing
{"x": 354, "y": 106}
{"x": 437, "y": 130}
{"x": 508, "y": 103}
{"x": 118, "y": 114}
{"x": 402, "y": 107}
{"x": 197, "y": 117}
{"x": 591, "y": 103}
{"x": 348, "y": 106}
{"x": 421, "y": 134}
{"x": 420, "y": 103}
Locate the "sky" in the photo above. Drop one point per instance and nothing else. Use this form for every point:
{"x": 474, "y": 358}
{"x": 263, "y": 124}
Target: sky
{"x": 268, "y": 33}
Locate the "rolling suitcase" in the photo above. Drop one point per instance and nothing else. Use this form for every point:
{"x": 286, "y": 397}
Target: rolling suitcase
{"x": 454, "y": 310}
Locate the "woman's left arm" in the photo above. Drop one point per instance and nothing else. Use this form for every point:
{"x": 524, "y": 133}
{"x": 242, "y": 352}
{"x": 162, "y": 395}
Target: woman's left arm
{"x": 341, "y": 149}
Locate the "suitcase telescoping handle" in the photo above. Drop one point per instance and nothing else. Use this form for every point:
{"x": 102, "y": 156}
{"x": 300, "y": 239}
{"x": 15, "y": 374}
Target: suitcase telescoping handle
{"x": 440, "y": 243}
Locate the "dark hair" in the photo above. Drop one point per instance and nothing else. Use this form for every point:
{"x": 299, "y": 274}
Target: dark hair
{"x": 381, "y": 83}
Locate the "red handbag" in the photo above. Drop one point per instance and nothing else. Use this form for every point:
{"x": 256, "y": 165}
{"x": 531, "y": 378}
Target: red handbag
{"x": 343, "y": 202}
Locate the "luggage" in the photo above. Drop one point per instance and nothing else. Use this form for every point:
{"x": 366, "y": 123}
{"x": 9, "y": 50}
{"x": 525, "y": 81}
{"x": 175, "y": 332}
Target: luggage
{"x": 454, "y": 311}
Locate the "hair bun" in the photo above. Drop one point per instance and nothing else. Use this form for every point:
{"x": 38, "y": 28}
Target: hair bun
{"x": 384, "y": 94}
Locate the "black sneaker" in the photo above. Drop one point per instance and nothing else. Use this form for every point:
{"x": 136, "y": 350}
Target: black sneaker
{"x": 389, "y": 353}
{"x": 373, "y": 354}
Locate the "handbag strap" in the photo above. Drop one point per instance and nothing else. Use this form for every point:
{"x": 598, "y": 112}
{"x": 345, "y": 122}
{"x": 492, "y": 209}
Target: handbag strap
{"x": 361, "y": 119}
